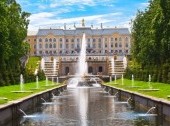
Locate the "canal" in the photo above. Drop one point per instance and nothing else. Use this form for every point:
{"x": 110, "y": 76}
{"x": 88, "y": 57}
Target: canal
{"x": 84, "y": 106}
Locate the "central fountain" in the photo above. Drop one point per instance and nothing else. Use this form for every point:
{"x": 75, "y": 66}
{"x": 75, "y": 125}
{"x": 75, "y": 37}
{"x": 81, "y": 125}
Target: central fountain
{"x": 82, "y": 78}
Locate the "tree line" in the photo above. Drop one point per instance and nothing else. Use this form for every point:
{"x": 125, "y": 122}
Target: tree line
{"x": 13, "y": 30}
{"x": 151, "y": 42}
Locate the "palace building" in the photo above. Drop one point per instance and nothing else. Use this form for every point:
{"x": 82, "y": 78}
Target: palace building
{"x": 65, "y": 44}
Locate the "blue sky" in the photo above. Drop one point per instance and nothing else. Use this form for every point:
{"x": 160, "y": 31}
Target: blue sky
{"x": 54, "y": 13}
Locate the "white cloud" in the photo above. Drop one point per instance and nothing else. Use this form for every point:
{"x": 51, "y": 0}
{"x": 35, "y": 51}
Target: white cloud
{"x": 49, "y": 19}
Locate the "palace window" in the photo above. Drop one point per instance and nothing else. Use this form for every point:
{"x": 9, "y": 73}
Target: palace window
{"x": 94, "y": 45}
{"x": 40, "y": 40}
{"x": 99, "y": 45}
{"x": 78, "y": 40}
{"x": 61, "y": 39}
{"x": 88, "y": 45}
{"x": 54, "y": 39}
{"x": 88, "y": 39}
{"x": 94, "y": 40}
{"x": 115, "y": 39}
{"x": 105, "y": 45}
{"x": 72, "y": 45}
{"x": 127, "y": 45}
{"x": 50, "y": 40}
{"x": 115, "y": 44}
{"x": 120, "y": 39}
{"x": 126, "y": 39}
{"x": 99, "y": 40}
{"x": 46, "y": 46}
{"x": 67, "y": 40}
{"x": 120, "y": 44}
{"x": 61, "y": 45}
{"x": 67, "y": 46}
{"x": 54, "y": 45}
{"x": 46, "y": 40}
{"x": 40, "y": 46}
{"x": 72, "y": 40}
{"x": 111, "y": 39}
{"x": 111, "y": 45}
{"x": 34, "y": 46}
{"x": 50, "y": 46}
{"x": 34, "y": 40}
{"x": 120, "y": 51}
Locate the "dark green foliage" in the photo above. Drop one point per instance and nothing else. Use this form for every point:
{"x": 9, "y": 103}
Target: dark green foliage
{"x": 151, "y": 42}
{"x": 13, "y": 31}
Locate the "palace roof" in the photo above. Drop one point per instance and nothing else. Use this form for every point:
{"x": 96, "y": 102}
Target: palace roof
{"x": 80, "y": 30}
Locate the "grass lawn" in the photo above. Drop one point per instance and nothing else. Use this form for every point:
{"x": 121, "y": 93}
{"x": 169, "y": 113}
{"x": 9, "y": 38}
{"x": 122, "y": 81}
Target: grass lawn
{"x": 5, "y": 92}
{"x": 162, "y": 93}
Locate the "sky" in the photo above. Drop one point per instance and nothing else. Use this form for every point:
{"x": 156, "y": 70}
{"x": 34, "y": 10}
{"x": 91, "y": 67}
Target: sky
{"x": 56, "y": 13}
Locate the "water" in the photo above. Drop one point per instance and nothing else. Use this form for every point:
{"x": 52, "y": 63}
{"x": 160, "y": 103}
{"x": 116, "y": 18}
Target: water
{"x": 122, "y": 80}
{"x": 84, "y": 107}
{"x": 150, "y": 86}
{"x": 37, "y": 83}
{"x": 46, "y": 81}
{"x": 82, "y": 64}
{"x": 115, "y": 79}
{"x": 21, "y": 83}
{"x": 132, "y": 80}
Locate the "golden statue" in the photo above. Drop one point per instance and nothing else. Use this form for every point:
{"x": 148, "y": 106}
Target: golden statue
{"x": 83, "y": 24}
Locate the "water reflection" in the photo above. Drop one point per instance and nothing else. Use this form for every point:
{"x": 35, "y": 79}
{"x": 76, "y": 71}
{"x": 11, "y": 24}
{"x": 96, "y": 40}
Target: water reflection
{"x": 84, "y": 107}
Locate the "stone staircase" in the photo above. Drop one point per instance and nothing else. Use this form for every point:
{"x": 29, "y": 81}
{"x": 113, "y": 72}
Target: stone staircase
{"x": 117, "y": 69}
{"x": 51, "y": 68}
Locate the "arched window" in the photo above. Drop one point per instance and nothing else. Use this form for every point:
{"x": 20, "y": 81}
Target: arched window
{"x": 50, "y": 40}
{"x": 40, "y": 46}
{"x": 54, "y": 45}
{"x": 40, "y": 40}
{"x": 115, "y": 39}
{"x": 127, "y": 45}
{"x": 100, "y": 45}
{"x": 72, "y": 40}
{"x": 46, "y": 46}
{"x": 120, "y": 44}
{"x": 54, "y": 39}
{"x": 46, "y": 40}
{"x": 50, "y": 46}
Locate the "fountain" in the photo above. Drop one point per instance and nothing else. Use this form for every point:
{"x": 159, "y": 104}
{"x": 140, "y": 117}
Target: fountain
{"x": 115, "y": 79}
{"x": 81, "y": 74}
{"x": 57, "y": 80}
{"x": 150, "y": 88}
{"x": 122, "y": 80}
{"x": 133, "y": 84}
{"x": 111, "y": 78}
{"x": 46, "y": 81}
{"x": 37, "y": 84}
{"x": 82, "y": 64}
{"x": 148, "y": 113}
{"x": 22, "y": 90}
{"x": 42, "y": 63}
